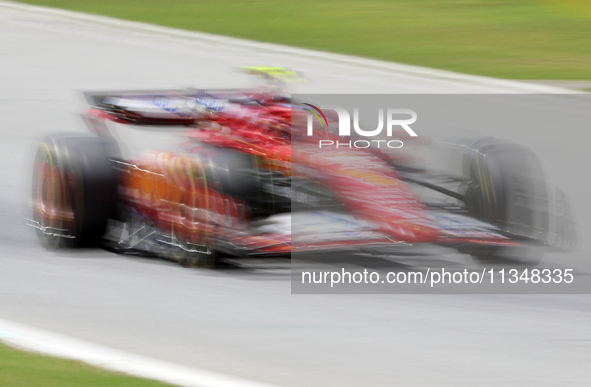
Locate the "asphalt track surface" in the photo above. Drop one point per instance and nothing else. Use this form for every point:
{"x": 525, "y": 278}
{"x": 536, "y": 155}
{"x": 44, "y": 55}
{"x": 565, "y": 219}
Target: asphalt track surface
{"x": 242, "y": 322}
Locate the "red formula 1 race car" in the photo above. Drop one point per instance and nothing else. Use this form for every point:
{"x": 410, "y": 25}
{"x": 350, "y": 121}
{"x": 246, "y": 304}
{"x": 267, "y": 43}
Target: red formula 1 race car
{"x": 234, "y": 184}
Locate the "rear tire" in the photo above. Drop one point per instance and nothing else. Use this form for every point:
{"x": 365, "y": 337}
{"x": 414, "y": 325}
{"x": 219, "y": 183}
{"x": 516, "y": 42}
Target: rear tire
{"x": 74, "y": 189}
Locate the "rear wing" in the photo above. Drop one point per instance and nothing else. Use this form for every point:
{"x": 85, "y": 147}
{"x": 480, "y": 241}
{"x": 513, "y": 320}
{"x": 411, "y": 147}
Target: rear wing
{"x": 161, "y": 107}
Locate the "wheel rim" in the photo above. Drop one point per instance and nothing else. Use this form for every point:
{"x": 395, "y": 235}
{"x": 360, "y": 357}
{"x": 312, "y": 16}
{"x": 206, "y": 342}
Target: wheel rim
{"x": 53, "y": 217}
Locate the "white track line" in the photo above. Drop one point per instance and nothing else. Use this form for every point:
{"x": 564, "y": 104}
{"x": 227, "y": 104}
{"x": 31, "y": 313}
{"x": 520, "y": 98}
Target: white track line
{"x": 37, "y": 340}
{"x": 359, "y": 62}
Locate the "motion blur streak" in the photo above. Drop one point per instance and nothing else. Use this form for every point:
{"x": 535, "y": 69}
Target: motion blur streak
{"x": 245, "y": 323}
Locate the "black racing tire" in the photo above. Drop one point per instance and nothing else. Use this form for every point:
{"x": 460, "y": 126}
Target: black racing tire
{"x": 74, "y": 189}
{"x": 507, "y": 189}
{"x": 239, "y": 175}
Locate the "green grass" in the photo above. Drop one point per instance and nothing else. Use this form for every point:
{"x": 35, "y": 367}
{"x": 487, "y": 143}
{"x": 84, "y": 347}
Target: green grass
{"x": 24, "y": 369}
{"x": 518, "y": 39}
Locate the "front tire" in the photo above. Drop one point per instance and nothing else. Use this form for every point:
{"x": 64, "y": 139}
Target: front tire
{"x": 507, "y": 189}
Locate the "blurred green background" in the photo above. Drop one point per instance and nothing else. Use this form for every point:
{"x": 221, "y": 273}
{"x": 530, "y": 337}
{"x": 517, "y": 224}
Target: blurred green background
{"x": 518, "y": 39}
